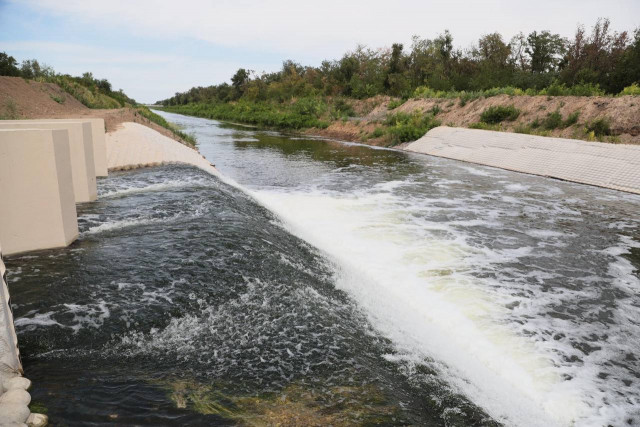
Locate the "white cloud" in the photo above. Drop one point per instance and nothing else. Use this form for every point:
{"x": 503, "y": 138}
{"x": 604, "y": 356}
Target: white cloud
{"x": 331, "y": 26}
{"x": 304, "y": 31}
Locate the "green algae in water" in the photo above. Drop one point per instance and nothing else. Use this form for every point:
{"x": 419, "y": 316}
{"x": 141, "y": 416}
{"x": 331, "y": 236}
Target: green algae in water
{"x": 294, "y": 405}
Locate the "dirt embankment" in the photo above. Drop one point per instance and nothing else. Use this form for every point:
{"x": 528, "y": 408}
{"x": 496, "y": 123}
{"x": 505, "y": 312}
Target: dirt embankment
{"x": 27, "y": 99}
{"x": 622, "y": 112}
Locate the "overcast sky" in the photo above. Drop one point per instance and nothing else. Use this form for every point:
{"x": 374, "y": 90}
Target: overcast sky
{"x": 153, "y": 48}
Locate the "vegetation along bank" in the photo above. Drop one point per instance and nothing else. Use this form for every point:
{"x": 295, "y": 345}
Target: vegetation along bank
{"x": 586, "y": 87}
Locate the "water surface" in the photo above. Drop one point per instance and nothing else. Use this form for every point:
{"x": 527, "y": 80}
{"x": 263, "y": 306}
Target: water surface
{"x": 338, "y": 284}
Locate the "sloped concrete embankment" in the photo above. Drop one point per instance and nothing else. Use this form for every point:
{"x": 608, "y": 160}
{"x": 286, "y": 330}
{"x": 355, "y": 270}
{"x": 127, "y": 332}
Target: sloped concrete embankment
{"x": 614, "y": 166}
{"x": 134, "y": 145}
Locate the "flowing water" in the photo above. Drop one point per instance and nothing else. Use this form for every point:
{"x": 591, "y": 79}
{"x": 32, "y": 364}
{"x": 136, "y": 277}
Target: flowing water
{"x": 333, "y": 284}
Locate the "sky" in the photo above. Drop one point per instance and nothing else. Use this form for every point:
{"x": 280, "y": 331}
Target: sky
{"x": 154, "y": 48}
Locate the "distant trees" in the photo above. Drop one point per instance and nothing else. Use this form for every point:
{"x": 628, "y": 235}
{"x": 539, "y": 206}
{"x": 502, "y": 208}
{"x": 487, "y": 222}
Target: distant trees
{"x": 8, "y": 65}
{"x": 601, "y": 60}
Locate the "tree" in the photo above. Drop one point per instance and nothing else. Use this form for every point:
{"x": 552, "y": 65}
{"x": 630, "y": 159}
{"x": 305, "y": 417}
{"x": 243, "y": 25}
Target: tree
{"x": 396, "y": 82}
{"x": 8, "y": 65}
{"x": 545, "y": 51}
{"x": 239, "y": 80}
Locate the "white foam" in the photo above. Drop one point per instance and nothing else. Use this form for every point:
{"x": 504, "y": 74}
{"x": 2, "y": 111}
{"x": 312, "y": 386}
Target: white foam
{"x": 412, "y": 283}
{"x": 121, "y": 224}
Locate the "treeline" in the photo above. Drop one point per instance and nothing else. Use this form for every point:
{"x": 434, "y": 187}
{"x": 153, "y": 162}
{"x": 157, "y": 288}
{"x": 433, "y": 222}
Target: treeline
{"x": 92, "y": 92}
{"x": 599, "y": 61}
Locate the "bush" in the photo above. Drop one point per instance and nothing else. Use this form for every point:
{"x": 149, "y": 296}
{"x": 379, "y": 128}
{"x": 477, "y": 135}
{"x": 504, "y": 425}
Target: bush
{"x": 344, "y": 108}
{"x": 581, "y": 89}
{"x": 553, "y": 121}
{"x": 409, "y": 127}
{"x": 377, "y": 133}
{"x": 634, "y": 89}
{"x": 499, "y": 113}
{"x": 572, "y": 119}
{"x": 600, "y": 127}
{"x": 395, "y": 103}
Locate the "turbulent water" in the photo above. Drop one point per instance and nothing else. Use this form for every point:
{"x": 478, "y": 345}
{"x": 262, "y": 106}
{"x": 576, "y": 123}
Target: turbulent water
{"x": 329, "y": 283}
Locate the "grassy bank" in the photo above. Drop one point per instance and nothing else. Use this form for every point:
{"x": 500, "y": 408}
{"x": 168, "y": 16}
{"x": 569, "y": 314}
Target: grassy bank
{"x": 159, "y": 120}
{"x": 312, "y": 113}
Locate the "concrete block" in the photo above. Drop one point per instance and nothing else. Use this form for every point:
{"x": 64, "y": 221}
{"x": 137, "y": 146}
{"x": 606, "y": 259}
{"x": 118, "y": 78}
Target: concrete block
{"x": 81, "y": 148}
{"x": 37, "y": 204}
{"x": 97, "y": 134}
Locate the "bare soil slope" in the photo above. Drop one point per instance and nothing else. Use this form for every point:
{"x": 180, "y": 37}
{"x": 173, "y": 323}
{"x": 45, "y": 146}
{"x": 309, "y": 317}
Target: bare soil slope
{"x": 27, "y": 99}
{"x": 623, "y": 113}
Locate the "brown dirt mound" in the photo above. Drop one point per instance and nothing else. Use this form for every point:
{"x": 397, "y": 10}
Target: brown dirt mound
{"x": 23, "y": 99}
{"x": 28, "y": 99}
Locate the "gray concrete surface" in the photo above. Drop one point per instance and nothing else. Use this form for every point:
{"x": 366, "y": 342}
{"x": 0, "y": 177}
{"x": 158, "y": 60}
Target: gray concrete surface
{"x": 614, "y": 166}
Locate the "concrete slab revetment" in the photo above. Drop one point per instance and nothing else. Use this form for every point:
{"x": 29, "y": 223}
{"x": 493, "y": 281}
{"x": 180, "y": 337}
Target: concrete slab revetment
{"x": 37, "y": 204}
{"x": 134, "y": 146}
{"x": 81, "y": 148}
{"x": 614, "y": 166}
{"x": 97, "y": 134}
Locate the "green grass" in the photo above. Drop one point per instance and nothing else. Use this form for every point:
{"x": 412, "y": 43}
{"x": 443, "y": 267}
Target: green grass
{"x": 485, "y": 126}
{"x": 10, "y": 110}
{"x": 304, "y": 113}
{"x": 499, "y": 113}
{"x": 58, "y": 99}
{"x": 551, "y": 91}
{"x": 88, "y": 97}
{"x": 159, "y": 120}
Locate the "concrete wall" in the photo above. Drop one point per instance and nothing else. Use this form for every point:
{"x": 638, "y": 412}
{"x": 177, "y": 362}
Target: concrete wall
{"x": 97, "y": 134}
{"x": 81, "y": 146}
{"x": 615, "y": 166}
{"x": 37, "y": 204}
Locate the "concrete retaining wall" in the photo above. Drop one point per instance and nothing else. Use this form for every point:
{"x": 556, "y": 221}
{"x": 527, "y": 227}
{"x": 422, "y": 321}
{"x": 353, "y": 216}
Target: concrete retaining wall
{"x": 97, "y": 134}
{"x": 37, "y": 204}
{"x": 81, "y": 147}
{"x": 614, "y": 166}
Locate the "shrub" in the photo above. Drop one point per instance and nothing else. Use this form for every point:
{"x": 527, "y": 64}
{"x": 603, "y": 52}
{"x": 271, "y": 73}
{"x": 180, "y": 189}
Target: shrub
{"x": 395, "y": 103}
{"x": 634, "y": 89}
{"x": 343, "y": 108}
{"x": 499, "y": 113}
{"x": 581, "y": 89}
{"x": 58, "y": 99}
{"x": 409, "y": 127}
{"x": 435, "y": 110}
{"x": 377, "y": 133}
{"x": 572, "y": 119}
{"x": 600, "y": 127}
{"x": 536, "y": 123}
{"x": 553, "y": 121}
